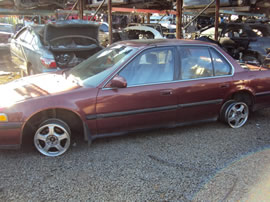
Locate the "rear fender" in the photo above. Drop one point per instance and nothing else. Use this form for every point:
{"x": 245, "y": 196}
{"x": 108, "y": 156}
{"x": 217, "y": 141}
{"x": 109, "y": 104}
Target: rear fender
{"x": 240, "y": 89}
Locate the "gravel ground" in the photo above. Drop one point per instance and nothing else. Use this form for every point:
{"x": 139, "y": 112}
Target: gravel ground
{"x": 206, "y": 162}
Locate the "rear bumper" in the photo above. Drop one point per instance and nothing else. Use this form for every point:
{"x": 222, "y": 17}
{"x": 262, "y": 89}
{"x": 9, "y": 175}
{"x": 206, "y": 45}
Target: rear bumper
{"x": 10, "y": 135}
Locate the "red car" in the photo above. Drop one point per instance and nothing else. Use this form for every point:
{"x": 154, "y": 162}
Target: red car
{"x": 131, "y": 86}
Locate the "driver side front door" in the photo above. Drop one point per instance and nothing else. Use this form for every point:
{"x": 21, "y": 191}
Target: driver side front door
{"x": 148, "y": 101}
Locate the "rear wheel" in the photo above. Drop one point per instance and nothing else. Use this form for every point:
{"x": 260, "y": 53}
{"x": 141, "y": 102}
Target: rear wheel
{"x": 52, "y": 137}
{"x": 235, "y": 113}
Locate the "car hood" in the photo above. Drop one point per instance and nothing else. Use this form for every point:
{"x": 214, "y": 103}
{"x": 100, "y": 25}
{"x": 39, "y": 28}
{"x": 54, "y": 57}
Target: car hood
{"x": 33, "y": 87}
{"x": 71, "y": 28}
{"x": 156, "y": 34}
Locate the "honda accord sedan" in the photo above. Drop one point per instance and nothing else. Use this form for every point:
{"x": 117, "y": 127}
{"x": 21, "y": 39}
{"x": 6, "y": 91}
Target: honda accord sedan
{"x": 130, "y": 86}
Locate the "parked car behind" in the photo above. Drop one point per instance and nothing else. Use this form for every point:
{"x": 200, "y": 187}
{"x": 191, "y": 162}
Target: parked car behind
{"x": 44, "y": 48}
{"x": 104, "y": 34}
{"x": 249, "y": 42}
{"x": 141, "y": 32}
{"x": 131, "y": 86}
{"x": 136, "y": 31}
{"x": 155, "y": 26}
{"x": 6, "y": 32}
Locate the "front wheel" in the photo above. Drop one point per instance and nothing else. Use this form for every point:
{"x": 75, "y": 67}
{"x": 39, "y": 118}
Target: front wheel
{"x": 235, "y": 113}
{"x": 52, "y": 138}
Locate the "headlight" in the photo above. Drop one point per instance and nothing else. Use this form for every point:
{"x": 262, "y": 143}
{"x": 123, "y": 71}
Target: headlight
{"x": 3, "y": 117}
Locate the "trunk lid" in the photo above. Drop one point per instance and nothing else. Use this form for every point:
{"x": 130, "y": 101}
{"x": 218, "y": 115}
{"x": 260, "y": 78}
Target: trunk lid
{"x": 71, "y": 41}
{"x": 70, "y": 28}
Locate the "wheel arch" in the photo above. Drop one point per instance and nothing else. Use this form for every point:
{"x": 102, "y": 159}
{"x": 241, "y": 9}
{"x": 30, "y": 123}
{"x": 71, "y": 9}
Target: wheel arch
{"x": 245, "y": 95}
{"x": 72, "y": 118}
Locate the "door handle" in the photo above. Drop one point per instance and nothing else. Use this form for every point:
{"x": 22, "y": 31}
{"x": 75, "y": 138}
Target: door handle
{"x": 166, "y": 92}
{"x": 224, "y": 85}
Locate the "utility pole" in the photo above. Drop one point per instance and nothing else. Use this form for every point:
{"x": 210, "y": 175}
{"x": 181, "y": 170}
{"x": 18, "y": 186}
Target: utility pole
{"x": 217, "y": 19}
{"x": 148, "y": 18}
{"x": 110, "y": 20}
{"x": 81, "y": 6}
{"x": 179, "y": 5}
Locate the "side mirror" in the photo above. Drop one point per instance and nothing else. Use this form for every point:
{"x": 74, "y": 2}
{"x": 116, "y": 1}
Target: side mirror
{"x": 268, "y": 50}
{"x": 117, "y": 82}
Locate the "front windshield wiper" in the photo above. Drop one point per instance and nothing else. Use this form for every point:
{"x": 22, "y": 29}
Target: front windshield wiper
{"x": 73, "y": 79}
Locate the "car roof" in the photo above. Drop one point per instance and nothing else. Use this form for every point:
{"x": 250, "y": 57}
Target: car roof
{"x": 163, "y": 42}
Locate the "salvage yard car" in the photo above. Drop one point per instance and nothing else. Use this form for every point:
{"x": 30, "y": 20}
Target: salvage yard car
{"x": 131, "y": 86}
{"x": 248, "y": 42}
{"x": 43, "y": 48}
{"x": 30, "y": 4}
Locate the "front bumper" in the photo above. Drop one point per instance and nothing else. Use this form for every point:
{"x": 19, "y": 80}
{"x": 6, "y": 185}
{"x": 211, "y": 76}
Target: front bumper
{"x": 10, "y": 135}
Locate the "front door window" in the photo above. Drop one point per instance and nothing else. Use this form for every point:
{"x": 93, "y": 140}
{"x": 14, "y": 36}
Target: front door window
{"x": 152, "y": 66}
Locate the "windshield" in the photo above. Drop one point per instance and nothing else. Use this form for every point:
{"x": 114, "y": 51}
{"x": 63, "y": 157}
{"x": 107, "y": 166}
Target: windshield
{"x": 6, "y": 28}
{"x": 96, "y": 68}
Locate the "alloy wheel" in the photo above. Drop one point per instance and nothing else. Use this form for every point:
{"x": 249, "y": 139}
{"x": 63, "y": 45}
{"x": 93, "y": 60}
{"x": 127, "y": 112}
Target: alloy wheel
{"x": 237, "y": 114}
{"x": 52, "y": 139}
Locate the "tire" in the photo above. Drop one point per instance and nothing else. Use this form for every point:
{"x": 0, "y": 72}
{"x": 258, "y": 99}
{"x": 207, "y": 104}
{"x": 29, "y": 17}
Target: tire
{"x": 52, "y": 138}
{"x": 235, "y": 113}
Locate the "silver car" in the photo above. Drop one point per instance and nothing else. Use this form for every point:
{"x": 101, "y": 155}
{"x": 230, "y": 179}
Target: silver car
{"x": 43, "y": 48}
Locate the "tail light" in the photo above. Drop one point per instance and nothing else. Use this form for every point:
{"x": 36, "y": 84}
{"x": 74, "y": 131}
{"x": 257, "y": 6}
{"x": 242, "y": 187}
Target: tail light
{"x": 47, "y": 62}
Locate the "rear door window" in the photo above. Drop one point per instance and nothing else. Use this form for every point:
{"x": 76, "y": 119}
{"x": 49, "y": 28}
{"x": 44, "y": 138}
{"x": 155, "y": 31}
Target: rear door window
{"x": 221, "y": 66}
{"x": 28, "y": 37}
{"x": 195, "y": 62}
{"x": 22, "y": 35}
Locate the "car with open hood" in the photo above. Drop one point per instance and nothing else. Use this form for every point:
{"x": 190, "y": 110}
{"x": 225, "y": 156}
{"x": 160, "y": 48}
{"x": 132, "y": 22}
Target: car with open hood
{"x": 43, "y": 48}
{"x": 132, "y": 32}
{"x": 127, "y": 87}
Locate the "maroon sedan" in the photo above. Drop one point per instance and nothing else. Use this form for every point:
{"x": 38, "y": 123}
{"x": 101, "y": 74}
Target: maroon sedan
{"x": 131, "y": 86}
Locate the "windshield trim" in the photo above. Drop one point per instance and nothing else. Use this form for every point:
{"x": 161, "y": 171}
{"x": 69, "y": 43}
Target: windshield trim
{"x": 113, "y": 68}
{"x": 103, "y": 83}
